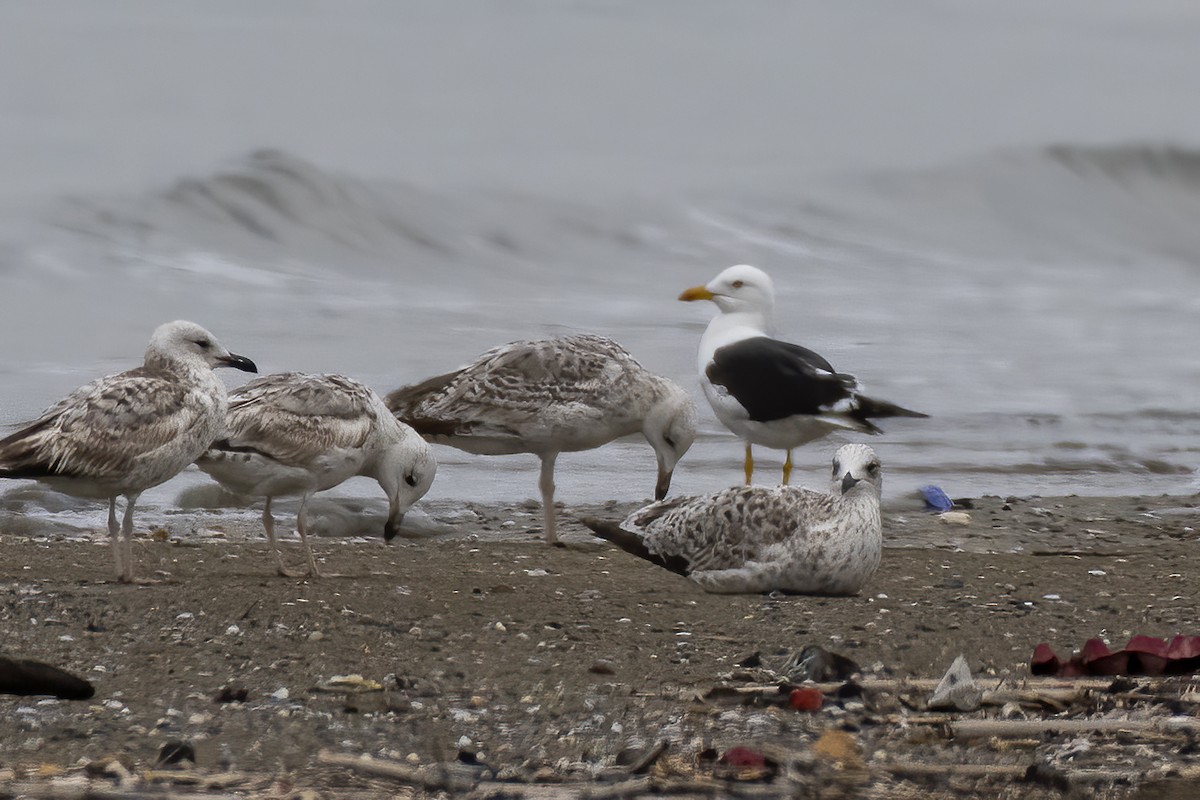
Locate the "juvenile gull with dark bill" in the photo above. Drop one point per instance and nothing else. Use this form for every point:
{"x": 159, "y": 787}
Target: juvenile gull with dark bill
{"x": 124, "y": 433}
{"x": 551, "y": 396}
{"x": 295, "y": 434}
{"x": 763, "y": 539}
{"x": 768, "y": 391}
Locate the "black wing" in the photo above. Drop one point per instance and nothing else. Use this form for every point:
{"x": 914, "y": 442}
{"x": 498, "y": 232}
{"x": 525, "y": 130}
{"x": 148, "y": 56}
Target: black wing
{"x": 773, "y": 379}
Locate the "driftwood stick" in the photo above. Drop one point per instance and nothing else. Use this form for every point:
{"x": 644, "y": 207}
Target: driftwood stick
{"x": 648, "y": 758}
{"x": 101, "y": 790}
{"x": 956, "y": 770}
{"x": 627, "y": 788}
{"x": 1057, "y": 697}
{"x": 1050, "y": 686}
{"x": 192, "y": 777}
{"x": 1018, "y": 771}
{"x": 422, "y": 776}
{"x": 978, "y": 728}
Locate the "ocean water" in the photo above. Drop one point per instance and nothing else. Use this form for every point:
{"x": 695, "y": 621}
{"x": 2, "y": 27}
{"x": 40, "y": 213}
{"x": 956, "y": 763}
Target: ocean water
{"x": 988, "y": 213}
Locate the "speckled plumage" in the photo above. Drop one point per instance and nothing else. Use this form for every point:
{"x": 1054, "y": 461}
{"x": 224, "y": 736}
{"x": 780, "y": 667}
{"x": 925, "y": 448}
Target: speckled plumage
{"x": 295, "y": 434}
{"x": 761, "y": 539}
{"x": 124, "y": 433}
{"x": 550, "y": 396}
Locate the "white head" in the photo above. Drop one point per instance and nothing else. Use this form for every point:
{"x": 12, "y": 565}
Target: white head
{"x": 405, "y": 471}
{"x": 737, "y": 289}
{"x": 186, "y": 344}
{"x": 670, "y": 428}
{"x": 856, "y": 470}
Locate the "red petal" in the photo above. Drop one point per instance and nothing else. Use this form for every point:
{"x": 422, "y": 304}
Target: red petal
{"x": 806, "y": 699}
{"x": 743, "y": 757}
{"x": 1044, "y": 661}
{"x": 1147, "y": 644}
{"x": 1147, "y": 664}
{"x": 1111, "y": 664}
{"x": 1094, "y": 649}
{"x": 1072, "y": 669}
{"x": 1184, "y": 647}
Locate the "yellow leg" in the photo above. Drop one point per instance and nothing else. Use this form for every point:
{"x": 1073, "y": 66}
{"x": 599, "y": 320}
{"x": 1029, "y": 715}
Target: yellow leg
{"x": 787, "y": 468}
{"x": 749, "y": 464}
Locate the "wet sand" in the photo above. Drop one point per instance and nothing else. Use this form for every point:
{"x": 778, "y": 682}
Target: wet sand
{"x": 517, "y": 661}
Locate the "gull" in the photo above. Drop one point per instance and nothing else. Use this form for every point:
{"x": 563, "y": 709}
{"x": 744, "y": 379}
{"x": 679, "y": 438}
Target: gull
{"x": 551, "y": 396}
{"x": 122, "y": 434}
{"x": 761, "y": 539}
{"x": 293, "y": 433}
{"x": 767, "y": 391}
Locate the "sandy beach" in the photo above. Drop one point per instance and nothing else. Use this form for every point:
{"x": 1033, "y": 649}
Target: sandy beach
{"x": 493, "y": 664}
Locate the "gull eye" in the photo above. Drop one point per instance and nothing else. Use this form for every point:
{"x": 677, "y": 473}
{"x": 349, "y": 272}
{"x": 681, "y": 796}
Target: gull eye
{"x": 670, "y": 442}
{"x": 873, "y": 468}
{"x": 411, "y": 479}
{"x": 837, "y": 468}
{"x": 738, "y": 284}
{"x": 203, "y": 344}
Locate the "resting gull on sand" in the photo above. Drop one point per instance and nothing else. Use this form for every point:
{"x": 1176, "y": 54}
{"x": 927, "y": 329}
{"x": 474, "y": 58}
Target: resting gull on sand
{"x": 767, "y": 391}
{"x": 551, "y": 396}
{"x": 296, "y": 434}
{"x": 122, "y": 434}
{"x": 762, "y": 539}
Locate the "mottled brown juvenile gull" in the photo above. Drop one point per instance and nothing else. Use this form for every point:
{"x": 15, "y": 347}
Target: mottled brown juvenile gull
{"x": 762, "y": 539}
{"x": 551, "y": 396}
{"x": 767, "y": 391}
{"x": 122, "y": 434}
{"x": 296, "y": 434}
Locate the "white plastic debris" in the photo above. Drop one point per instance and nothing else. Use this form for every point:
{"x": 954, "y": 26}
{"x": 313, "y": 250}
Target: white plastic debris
{"x": 957, "y": 689}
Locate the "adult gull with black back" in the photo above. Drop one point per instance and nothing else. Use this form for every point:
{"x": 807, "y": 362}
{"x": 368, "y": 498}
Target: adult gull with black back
{"x": 767, "y": 391}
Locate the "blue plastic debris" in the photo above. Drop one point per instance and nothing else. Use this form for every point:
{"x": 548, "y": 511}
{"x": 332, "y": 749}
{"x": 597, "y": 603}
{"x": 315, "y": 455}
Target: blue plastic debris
{"x": 935, "y": 499}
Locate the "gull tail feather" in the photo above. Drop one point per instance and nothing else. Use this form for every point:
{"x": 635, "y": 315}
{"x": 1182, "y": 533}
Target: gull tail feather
{"x": 632, "y": 543}
{"x": 867, "y": 408}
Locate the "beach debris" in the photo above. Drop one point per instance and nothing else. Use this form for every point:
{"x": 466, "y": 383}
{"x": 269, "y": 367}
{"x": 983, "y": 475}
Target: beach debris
{"x": 230, "y": 694}
{"x": 806, "y": 698}
{"x": 935, "y": 499}
{"x": 1141, "y": 655}
{"x": 25, "y": 677}
{"x": 434, "y": 777}
{"x": 751, "y": 660}
{"x": 841, "y": 748}
{"x": 348, "y": 684}
{"x": 638, "y": 761}
{"x": 743, "y": 757}
{"x": 118, "y": 768}
{"x": 815, "y": 663}
{"x": 957, "y": 689}
{"x": 746, "y": 764}
{"x": 955, "y": 517}
{"x": 175, "y": 751}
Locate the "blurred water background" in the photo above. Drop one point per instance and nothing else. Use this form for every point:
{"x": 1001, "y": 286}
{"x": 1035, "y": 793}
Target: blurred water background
{"x": 989, "y": 212}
